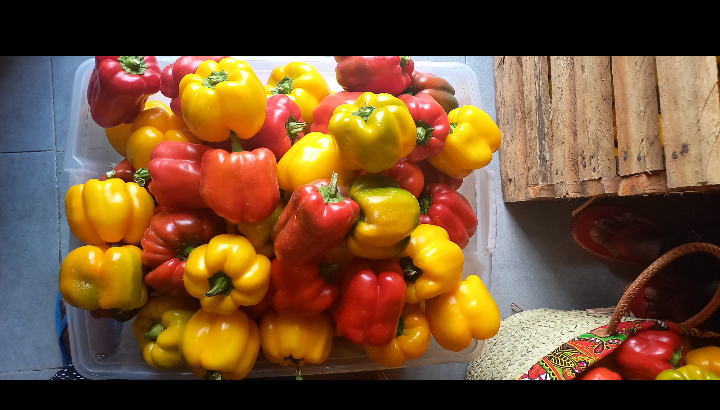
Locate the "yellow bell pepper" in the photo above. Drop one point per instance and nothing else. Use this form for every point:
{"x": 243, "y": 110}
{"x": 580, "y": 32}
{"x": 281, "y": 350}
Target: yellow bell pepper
{"x": 118, "y": 135}
{"x": 468, "y": 311}
{"x": 302, "y": 83}
{"x": 100, "y": 212}
{"x": 411, "y": 342}
{"x": 286, "y": 338}
{"x": 220, "y": 346}
{"x": 259, "y": 233}
{"x": 227, "y": 273}
{"x": 313, "y": 157}
{"x": 222, "y": 97}
{"x": 432, "y": 263}
{"x": 159, "y": 326}
{"x": 706, "y": 357}
{"x": 373, "y": 133}
{"x": 103, "y": 277}
{"x": 687, "y": 372}
{"x": 473, "y": 139}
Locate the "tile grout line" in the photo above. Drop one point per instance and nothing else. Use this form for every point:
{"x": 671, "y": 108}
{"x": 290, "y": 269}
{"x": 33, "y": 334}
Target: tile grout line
{"x": 57, "y": 180}
{"x": 23, "y": 152}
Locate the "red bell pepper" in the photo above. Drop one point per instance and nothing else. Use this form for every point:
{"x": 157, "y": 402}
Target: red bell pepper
{"x": 124, "y": 170}
{"x": 240, "y": 186}
{"x": 645, "y": 355}
{"x": 119, "y": 87}
{"x": 316, "y": 219}
{"x": 442, "y": 206}
{"x": 175, "y": 170}
{"x": 600, "y": 373}
{"x": 173, "y": 73}
{"x": 371, "y": 299}
{"x": 300, "y": 289}
{"x": 432, "y": 125}
{"x": 436, "y": 87}
{"x": 168, "y": 277}
{"x": 406, "y": 173}
{"x": 256, "y": 312}
{"x": 282, "y": 128}
{"x": 434, "y": 175}
{"x": 324, "y": 111}
{"x": 376, "y": 74}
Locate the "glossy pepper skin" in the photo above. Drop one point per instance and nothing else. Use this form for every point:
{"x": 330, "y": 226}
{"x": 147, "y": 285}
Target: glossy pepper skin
{"x": 372, "y": 297}
{"x": 407, "y": 174}
{"x": 220, "y": 346}
{"x": 472, "y": 140}
{"x": 410, "y": 342}
{"x": 282, "y": 128}
{"x": 222, "y": 97}
{"x": 388, "y": 215}
{"x": 159, "y": 327}
{"x": 226, "y": 273}
{"x": 302, "y": 83}
{"x": 434, "y": 175}
{"x": 109, "y": 211}
{"x": 315, "y": 156}
{"x": 259, "y": 233}
{"x": 124, "y": 171}
{"x": 600, "y": 373}
{"x": 373, "y": 133}
{"x": 119, "y": 87}
{"x": 240, "y": 186}
{"x": 290, "y": 339}
{"x": 645, "y": 355}
{"x": 706, "y": 357}
{"x": 299, "y": 289}
{"x": 118, "y": 135}
{"x": 324, "y": 111}
{"x": 317, "y": 218}
{"x": 103, "y": 277}
{"x": 445, "y": 207}
{"x": 432, "y": 125}
{"x": 173, "y": 73}
{"x": 377, "y": 74}
{"x": 465, "y": 313}
{"x": 175, "y": 170}
{"x": 687, "y": 372}
{"x": 432, "y": 264}
{"x": 436, "y": 87}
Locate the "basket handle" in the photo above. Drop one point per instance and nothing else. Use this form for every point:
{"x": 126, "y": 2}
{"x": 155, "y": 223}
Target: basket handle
{"x": 648, "y": 273}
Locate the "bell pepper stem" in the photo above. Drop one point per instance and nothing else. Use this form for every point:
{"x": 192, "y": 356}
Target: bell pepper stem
{"x": 330, "y": 193}
{"x": 235, "y": 142}
{"x": 215, "y": 78}
{"x": 675, "y": 361}
{"x": 111, "y": 174}
{"x": 404, "y": 61}
{"x": 154, "y": 332}
{"x": 283, "y": 86}
{"x": 452, "y": 127}
{"x": 364, "y": 112}
{"x": 400, "y": 328}
{"x": 293, "y": 128}
{"x": 184, "y": 251}
{"x": 220, "y": 283}
{"x": 410, "y": 271}
{"x": 213, "y": 375}
{"x": 327, "y": 271}
{"x": 424, "y": 132}
{"x": 425, "y": 201}
{"x": 142, "y": 176}
{"x": 133, "y": 64}
{"x": 298, "y": 375}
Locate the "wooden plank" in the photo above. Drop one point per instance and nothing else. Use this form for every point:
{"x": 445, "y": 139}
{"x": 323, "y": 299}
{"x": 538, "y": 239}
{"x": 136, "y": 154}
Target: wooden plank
{"x": 537, "y": 118}
{"x": 690, "y": 119}
{"x": 563, "y": 157}
{"x": 595, "y": 138}
{"x": 511, "y": 121}
{"x": 636, "y": 113}
{"x": 643, "y": 184}
{"x": 541, "y": 191}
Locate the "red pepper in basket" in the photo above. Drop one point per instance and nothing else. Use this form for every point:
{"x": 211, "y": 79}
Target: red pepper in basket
{"x": 316, "y": 219}
{"x": 324, "y": 111}
{"x": 300, "y": 289}
{"x": 645, "y": 355}
{"x": 600, "y": 373}
{"x": 442, "y": 206}
{"x": 119, "y": 87}
{"x": 124, "y": 170}
{"x": 436, "y": 87}
{"x": 282, "y": 128}
{"x": 173, "y": 73}
{"x": 376, "y": 74}
{"x": 372, "y": 297}
{"x": 175, "y": 170}
{"x": 432, "y": 125}
{"x": 434, "y": 175}
{"x": 406, "y": 173}
{"x": 240, "y": 186}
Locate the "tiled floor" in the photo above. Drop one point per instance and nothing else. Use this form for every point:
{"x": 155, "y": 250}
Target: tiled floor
{"x": 536, "y": 263}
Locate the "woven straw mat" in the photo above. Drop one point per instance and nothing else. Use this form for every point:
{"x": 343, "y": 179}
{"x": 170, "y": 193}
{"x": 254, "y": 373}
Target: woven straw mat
{"x": 526, "y": 337}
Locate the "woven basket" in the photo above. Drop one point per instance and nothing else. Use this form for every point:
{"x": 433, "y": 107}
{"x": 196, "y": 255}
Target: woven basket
{"x": 526, "y": 337}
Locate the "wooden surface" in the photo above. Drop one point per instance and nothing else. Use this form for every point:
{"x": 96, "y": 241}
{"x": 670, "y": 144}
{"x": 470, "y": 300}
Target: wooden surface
{"x": 563, "y": 159}
{"x": 690, "y": 119}
{"x": 537, "y": 118}
{"x": 636, "y": 114}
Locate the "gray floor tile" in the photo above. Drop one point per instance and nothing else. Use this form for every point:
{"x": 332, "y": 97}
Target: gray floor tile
{"x": 63, "y": 186}
{"x": 63, "y": 72}
{"x": 29, "y": 272}
{"x": 26, "y": 104}
{"x": 450, "y": 371}
{"x": 44, "y": 374}
{"x": 483, "y": 68}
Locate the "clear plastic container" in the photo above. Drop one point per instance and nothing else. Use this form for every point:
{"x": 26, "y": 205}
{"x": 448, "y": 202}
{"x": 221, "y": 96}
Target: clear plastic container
{"x": 105, "y": 349}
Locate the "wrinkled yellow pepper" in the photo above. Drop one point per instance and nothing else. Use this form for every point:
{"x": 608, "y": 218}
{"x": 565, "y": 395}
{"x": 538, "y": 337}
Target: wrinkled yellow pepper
{"x": 159, "y": 326}
{"x": 118, "y": 135}
{"x": 222, "y": 97}
{"x": 411, "y": 341}
{"x": 473, "y": 139}
{"x": 302, "y": 83}
{"x": 227, "y": 273}
{"x": 468, "y": 311}
{"x": 706, "y": 357}
{"x": 103, "y": 277}
{"x": 287, "y": 339}
{"x": 432, "y": 263}
{"x": 373, "y": 133}
{"x": 220, "y": 346}
{"x": 259, "y": 233}
{"x": 313, "y": 157}
{"x": 100, "y": 212}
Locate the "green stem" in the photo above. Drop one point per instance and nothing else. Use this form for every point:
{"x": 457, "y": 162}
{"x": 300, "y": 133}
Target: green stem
{"x": 111, "y": 174}
{"x": 215, "y": 78}
{"x": 410, "y": 271}
{"x": 425, "y": 201}
{"x": 298, "y": 375}
{"x": 327, "y": 271}
{"x": 452, "y": 127}
{"x": 133, "y": 64}
{"x": 424, "y": 132}
{"x": 330, "y": 193}
{"x": 404, "y": 61}
{"x": 293, "y": 128}
{"x": 142, "y": 177}
{"x": 235, "y": 142}
{"x": 283, "y": 86}
{"x": 183, "y": 252}
{"x": 676, "y": 358}
{"x": 213, "y": 375}
{"x": 364, "y": 112}
{"x": 154, "y": 331}
{"x": 220, "y": 284}
{"x": 401, "y": 328}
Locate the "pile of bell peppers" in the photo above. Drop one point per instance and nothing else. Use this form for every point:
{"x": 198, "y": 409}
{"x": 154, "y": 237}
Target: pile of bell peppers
{"x": 275, "y": 216}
